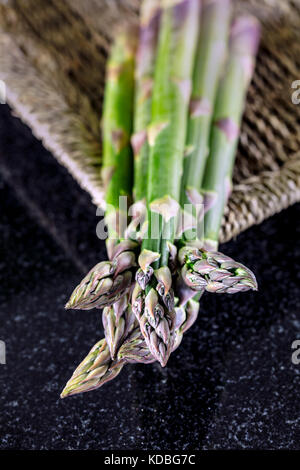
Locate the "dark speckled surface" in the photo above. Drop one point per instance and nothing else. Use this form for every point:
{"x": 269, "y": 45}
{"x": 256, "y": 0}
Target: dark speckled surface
{"x": 231, "y": 384}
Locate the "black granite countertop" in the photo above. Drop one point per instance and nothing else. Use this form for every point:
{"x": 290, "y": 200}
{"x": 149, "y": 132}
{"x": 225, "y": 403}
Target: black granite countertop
{"x": 231, "y": 384}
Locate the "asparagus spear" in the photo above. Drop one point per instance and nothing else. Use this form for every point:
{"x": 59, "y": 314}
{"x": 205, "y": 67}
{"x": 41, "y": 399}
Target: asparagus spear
{"x": 229, "y": 107}
{"x": 201, "y": 270}
{"x": 214, "y": 272}
{"x": 144, "y": 75}
{"x": 166, "y": 134}
{"x": 98, "y": 367}
{"x": 185, "y": 318}
{"x": 116, "y": 131}
{"x": 109, "y": 280}
{"x": 95, "y": 370}
{"x": 207, "y": 269}
{"x": 135, "y": 349}
{"x": 118, "y": 318}
{"x": 106, "y": 282}
{"x": 210, "y": 56}
{"x": 209, "y": 62}
{"x": 118, "y": 321}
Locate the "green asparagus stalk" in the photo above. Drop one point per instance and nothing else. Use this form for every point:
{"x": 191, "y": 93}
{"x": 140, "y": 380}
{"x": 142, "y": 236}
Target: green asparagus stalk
{"x": 98, "y": 367}
{"x": 229, "y": 107}
{"x": 144, "y": 76}
{"x": 167, "y": 130}
{"x": 118, "y": 318}
{"x": 161, "y": 325}
{"x": 166, "y": 136}
{"x": 206, "y": 269}
{"x": 109, "y": 280}
{"x": 117, "y": 125}
{"x": 209, "y": 63}
{"x": 210, "y": 57}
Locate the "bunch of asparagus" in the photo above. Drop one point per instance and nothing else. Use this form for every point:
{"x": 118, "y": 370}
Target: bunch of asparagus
{"x": 172, "y": 111}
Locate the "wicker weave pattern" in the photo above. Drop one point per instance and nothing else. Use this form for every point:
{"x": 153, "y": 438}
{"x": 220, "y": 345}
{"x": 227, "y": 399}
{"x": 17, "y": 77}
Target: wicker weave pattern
{"x": 52, "y": 59}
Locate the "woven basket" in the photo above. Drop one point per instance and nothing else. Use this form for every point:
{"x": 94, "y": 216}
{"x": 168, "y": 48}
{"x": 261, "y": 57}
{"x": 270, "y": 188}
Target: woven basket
{"x": 52, "y": 60}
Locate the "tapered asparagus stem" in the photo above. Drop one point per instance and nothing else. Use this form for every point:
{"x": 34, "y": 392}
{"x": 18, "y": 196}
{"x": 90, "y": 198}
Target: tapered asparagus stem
{"x": 244, "y": 39}
{"x": 209, "y": 62}
{"x": 166, "y": 134}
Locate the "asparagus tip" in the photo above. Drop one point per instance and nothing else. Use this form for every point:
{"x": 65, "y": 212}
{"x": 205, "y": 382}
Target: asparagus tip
{"x": 64, "y": 393}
